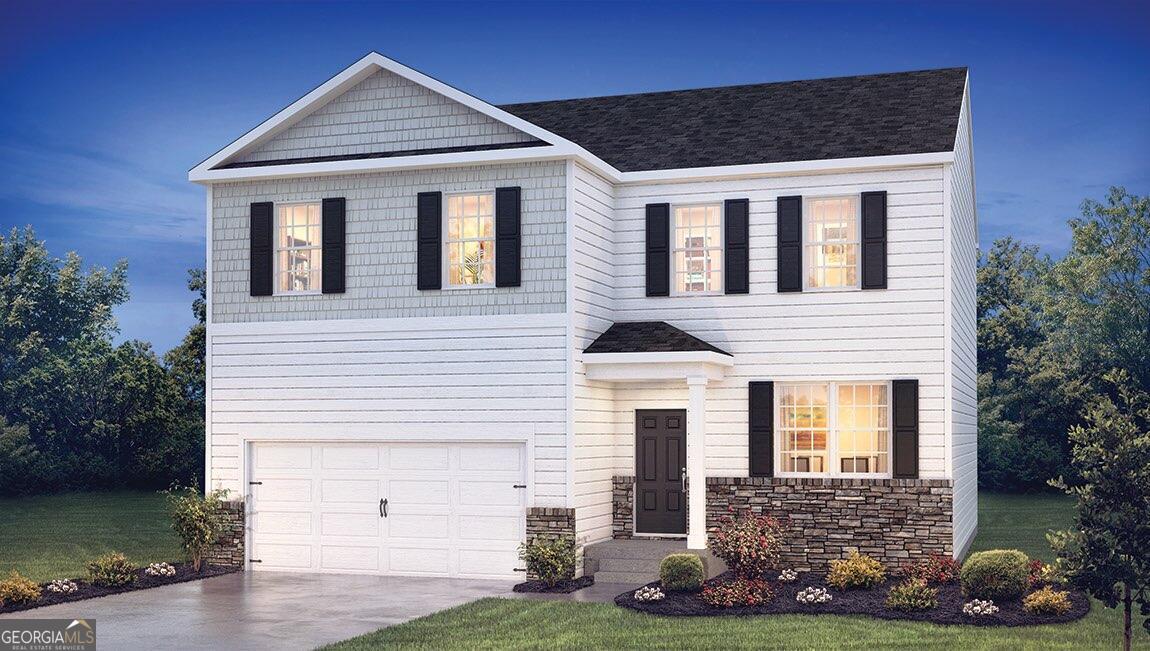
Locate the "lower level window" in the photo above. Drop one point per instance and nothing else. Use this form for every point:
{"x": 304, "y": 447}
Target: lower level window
{"x": 833, "y": 428}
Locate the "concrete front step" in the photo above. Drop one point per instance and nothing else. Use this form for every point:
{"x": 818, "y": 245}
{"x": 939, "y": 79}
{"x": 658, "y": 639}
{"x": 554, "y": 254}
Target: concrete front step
{"x": 648, "y": 566}
{"x": 626, "y": 578}
{"x": 637, "y": 561}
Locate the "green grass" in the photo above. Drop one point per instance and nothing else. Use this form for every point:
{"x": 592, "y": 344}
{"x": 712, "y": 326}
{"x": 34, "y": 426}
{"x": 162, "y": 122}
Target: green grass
{"x": 53, "y": 536}
{"x": 1005, "y": 521}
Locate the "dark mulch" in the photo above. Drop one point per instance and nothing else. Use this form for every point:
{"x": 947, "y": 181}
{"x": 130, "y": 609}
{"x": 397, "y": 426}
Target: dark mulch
{"x": 563, "y": 587}
{"x": 143, "y": 582}
{"x": 870, "y": 602}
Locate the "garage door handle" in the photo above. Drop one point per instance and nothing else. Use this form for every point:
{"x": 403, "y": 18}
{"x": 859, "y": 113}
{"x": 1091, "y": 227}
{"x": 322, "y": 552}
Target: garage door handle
{"x": 383, "y": 508}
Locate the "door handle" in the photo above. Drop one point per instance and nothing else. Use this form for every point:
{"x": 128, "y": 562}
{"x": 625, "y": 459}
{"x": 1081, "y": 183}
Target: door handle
{"x": 383, "y": 508}
{"x": 683, "y": 478}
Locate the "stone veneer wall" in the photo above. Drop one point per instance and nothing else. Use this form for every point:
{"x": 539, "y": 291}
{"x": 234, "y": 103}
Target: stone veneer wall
{"x": 893, "y": 520}
{"x": 551, "y": 523}
{"x": 623, "y": 506}
{"x": 228, "y": 551}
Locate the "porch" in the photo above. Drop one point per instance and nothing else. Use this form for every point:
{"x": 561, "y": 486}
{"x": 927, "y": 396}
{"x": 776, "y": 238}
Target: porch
{"x": 636, "y": 561}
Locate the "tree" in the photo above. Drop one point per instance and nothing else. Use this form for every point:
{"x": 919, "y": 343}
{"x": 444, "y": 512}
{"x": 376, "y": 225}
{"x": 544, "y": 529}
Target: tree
{"x": 186, "y": 361}
{"x": 1107, "y": 553}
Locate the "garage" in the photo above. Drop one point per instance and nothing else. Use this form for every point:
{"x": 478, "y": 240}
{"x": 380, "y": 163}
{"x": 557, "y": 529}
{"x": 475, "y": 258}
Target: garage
{"x": 419, "y": 509}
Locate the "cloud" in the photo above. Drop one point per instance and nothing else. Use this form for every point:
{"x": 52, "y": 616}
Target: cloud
{"x": 125, "y": 199}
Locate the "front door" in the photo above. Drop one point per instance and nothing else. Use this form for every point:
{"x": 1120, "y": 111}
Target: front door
{"x": 660, "y": 465}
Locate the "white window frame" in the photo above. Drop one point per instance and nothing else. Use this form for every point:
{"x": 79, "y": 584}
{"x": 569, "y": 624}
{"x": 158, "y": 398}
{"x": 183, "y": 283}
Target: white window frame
{"x": 722, "y": 247}
{"x": 806, "y": 244}
{"x": 276, "y": 248}
{"x": 445, "y": 263}
{"x": 833, "y": 461}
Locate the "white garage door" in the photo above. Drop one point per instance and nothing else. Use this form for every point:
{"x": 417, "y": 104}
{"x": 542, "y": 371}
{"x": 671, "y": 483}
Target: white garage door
{"x": 412, "y": 509}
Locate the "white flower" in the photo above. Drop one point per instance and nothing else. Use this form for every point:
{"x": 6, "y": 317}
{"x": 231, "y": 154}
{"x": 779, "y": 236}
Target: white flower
{"x": 813, "y": 595}
{"x": 649, "y": 593}
{"x": 788, "y": 576}
{"x": 979, "y": 607}
{"x": 160, "y": 569}
{"x": 63, "y": 586}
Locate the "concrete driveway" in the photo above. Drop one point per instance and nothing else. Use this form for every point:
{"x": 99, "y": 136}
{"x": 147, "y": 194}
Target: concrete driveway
{"x": 265, "y": 610}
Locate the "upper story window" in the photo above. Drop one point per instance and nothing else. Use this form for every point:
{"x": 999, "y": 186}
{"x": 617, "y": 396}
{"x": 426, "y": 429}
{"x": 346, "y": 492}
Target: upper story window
{"x": 470, "y": 239}
{"x": 697, "y": 237}
{"x": 298, "y": 252}
{"x": 834, "y": 429}
{"x": 832, "y": 242}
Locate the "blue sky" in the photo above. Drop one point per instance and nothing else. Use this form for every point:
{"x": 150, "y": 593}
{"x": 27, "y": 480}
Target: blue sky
{"x": 105, "y": 106}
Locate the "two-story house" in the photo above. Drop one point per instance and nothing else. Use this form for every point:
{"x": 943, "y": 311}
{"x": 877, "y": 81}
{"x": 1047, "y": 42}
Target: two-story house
{"x": 438, "y": 327}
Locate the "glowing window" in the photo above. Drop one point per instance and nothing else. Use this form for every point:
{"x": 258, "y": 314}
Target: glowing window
{"x": 470, "y": 239}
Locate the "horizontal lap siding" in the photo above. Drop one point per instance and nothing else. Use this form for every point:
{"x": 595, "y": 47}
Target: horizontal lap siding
{"x": 385, "y": 112}
{"x": 384, "y": 381}
{"x": 895, "y": 332}
{"x": 596, "y": 418}
{"x": 964, "y": 359}
{"x": 381, "y": 245}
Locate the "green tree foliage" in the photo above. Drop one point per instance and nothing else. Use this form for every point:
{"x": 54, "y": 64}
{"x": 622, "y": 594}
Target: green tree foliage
{"x": 76, "y": 410}
{"x": 1106, "y": 553}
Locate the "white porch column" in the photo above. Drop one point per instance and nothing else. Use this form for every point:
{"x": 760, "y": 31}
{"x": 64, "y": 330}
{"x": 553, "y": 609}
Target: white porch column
{"x": 697, "y": 462}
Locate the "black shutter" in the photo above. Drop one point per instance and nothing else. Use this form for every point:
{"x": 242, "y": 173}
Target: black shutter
{"x": 507, "y": 237}
{"x": 658, "y": 249}
{"x": 260, "y": 249}
{"x": 429, "y": 247}
{"x": 874, "y": 240}
{"x": 761, "y": 422}
{"x": 334, "y": 245}
{"x": 905, "y": 423}
{"x": 736, "y": 223}
{"x": 790, "y": 244}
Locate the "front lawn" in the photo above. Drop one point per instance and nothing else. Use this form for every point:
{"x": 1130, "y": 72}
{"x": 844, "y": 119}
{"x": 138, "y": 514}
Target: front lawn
{"x": 53, "y": 536}
{"x": 1005, "y": 521}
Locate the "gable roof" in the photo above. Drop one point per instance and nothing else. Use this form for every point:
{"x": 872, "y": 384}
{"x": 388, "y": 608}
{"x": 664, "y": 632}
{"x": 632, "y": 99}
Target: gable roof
{"x": 820, "y": 119}
{"x": 648, "y": 337}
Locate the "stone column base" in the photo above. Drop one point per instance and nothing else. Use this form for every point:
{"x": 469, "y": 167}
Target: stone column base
{"x": 623, "y": 506}
{"x": 551, "y": 523}
{"x": 228, "y": 551}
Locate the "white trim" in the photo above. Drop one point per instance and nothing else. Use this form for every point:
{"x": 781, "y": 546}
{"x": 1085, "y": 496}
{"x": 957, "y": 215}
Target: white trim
{"x": 569, "y": 354}
{"x": 446, "y": 323}
{"x": 643, "y": 367}
{"x": 697, "y": 462}
{"x": 947, "y": 321}
{"x": 208, "y": 331}
{"x": 857, "y": 243}
{"x": 832, "y": 450}
{"x": 786, "y": 168}
{"x": 349, "y": 77}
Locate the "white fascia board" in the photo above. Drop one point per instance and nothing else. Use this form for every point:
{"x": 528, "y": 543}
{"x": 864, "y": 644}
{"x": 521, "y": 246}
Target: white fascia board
{"x": 345, "y": 80}
{"x": 394, "y": 324}
{"x": 786, "y": 168}
{"x": 366, "y": 165}
{"x": 646, "y": 367}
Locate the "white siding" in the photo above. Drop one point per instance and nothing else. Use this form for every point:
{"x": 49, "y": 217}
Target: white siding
{"x": 596, "y": 419}
{"x": 892, "y": 333}
{"x": 381, "y": 245}
{"x": 454, "y": 379}
{"x": 963, "y": 338}
{"x": 384, "y": 113}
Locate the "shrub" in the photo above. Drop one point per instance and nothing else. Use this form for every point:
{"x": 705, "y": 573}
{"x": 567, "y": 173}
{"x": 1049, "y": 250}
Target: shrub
{"x": 17, "y": 589}
{"x": 812, "y": 595}
{"x": 1047, "y": 601}
{"x": 649, "y": 593}
{"x": 682, "y": 572}
{"x": 112, "y": 570}
{"x": 979, "y": 608}
{"x": 62, "y": 586}
{"x": 1040, "y": 574}
{"x": 196, "y": 519}
{"x": 855, "y": 571}
{"x": 550, "y": 560}
{"x": 936, "y": 569}
{"x": 912, "y": 595}
{"x": 739, "y": 591}
{"x": 996, "y": 574}
{"x": 749, "y": 544}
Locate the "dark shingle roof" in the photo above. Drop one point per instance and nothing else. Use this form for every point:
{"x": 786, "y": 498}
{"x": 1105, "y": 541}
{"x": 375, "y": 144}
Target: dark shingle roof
{"x": 842, "y": 117}
{"x": 648, "y": 337}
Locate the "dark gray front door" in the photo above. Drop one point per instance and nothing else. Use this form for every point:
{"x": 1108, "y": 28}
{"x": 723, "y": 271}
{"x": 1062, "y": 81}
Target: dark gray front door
{"x": 660, "y": 459}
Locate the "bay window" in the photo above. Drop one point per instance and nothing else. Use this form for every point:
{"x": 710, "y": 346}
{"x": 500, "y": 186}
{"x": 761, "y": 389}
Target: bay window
{"x": 833, "y": 429}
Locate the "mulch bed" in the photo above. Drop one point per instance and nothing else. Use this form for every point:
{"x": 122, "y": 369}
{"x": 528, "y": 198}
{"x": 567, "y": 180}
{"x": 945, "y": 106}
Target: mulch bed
{"x": 870, "y": 602}
{"x": 86, "y": 590}
{"x": 563, "y": 587}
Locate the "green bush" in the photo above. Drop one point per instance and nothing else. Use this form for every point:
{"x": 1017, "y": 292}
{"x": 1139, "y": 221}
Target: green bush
{"x": 196, "y": 519}
{"x": 1047, "y": 601}
{"x": 856, "y": 571}
{"x": 997, "y": 574}
{"x": 749, "y": 544}
{"x": 550, "y": 560}
{"x": 112, "y": 570}
{"x": 912, "y": 595}
{"x": 682, "y": 572}
{"x": 17, "y": 589}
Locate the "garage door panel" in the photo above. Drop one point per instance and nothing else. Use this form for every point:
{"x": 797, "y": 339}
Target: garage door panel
{"x": 419, "y": 526}
{"x": 413, "y": 457}
{"x": 412, "y": 492}
{"x": 490, "y": 527}
{"x": 346, "y": 557}
{"x": 364, "y": 525}
{"x": 485, "y": 563}
{"x": 343, "y": 457}
{"x": 349, "y": 490}
{"x": 491, "y": 458}
{"x": 476, "y": 492}
{"x": 283, "y": 491}
{"x": 418, "y": 560}
{"x": 283, "y": 556}
{"x": 290, "y": 523}
{"x": 283, "y": 457}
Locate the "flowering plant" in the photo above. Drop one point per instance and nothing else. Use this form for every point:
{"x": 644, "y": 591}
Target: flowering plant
{"x": 788, "y": 576}
{"x": 739, "y": 591}
{"x": 749, "y": 544}
{"x": 979, "y": 608}
{"x": 813, "y": 595}
{"x": 935, "y": 569}
{"x": 160, "y": 569}
{"x": 649, "y": 593}
{"x": 62, "y": 586}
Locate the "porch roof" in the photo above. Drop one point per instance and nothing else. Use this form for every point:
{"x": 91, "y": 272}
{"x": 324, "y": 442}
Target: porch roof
{"x": 641, "y": 351}
{"x": 649, "y": 337}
